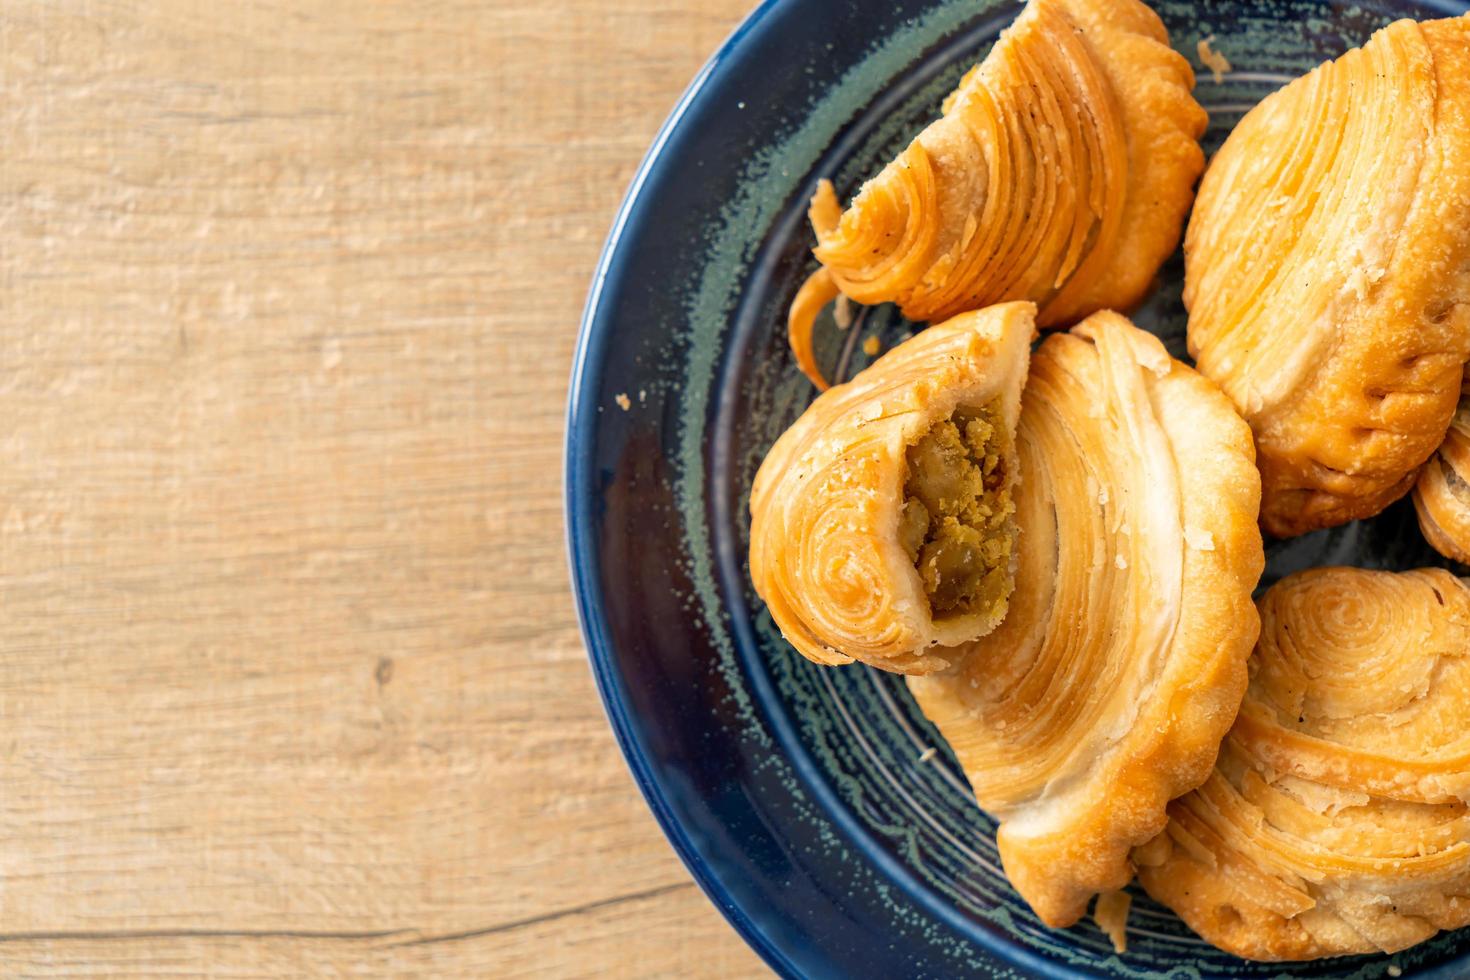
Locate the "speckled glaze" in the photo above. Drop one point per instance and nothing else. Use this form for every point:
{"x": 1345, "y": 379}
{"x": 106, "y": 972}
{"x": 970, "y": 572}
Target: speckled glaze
{"x": 803, "y": 798}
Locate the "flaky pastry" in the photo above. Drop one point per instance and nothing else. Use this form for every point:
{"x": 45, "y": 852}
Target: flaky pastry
{"x": 881, "y": 521}
{"x": 1328, "y": 272}
{"x": 1107, "y": 689}
{"x": 1335, "y": 821}
{"x": 1060, "y": 172}
{"x": 1442, "y": 492}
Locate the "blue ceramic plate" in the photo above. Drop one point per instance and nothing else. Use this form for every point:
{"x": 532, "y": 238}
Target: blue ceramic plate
{"x": 795, "y": 793}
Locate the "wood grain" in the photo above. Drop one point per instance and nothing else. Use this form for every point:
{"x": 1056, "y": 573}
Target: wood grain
{"x": 291, "y": 681}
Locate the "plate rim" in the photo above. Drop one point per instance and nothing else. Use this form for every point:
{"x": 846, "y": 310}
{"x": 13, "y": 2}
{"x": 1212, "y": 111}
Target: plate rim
{"x": 581, "y": 416}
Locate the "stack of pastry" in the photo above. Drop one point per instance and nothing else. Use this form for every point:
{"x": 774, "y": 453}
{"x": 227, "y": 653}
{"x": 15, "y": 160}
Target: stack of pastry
{"x": 1059, "y": 549}
{"x": 1335, "y": 820}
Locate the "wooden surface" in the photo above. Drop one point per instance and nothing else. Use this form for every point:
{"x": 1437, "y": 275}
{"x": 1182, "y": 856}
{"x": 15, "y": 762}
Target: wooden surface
{"x": 291, "y": 682}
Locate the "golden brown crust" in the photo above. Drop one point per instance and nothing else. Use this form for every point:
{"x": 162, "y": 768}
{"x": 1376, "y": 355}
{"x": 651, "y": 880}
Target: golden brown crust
{"x": 825, "y": 552}
{"x": 1328, "y": 272}
{"x": 1137, "y": 507}
{"x": 1335, "y": 820}
{"x": 1059, "y": 173}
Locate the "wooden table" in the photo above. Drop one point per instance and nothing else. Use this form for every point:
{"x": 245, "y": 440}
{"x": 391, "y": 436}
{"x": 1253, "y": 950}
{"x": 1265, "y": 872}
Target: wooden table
{"x": 291, "y": 681}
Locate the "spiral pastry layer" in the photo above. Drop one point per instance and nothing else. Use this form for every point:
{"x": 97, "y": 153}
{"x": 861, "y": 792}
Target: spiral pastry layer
{"x": 831, "y": 505}
{"x": 1328, "y": 272}
{"x": 1442, "y": 492}
{"x": 1107, "y": 689}
{"x": 1060, "y": 172}
{"x": 1335, "y": 821}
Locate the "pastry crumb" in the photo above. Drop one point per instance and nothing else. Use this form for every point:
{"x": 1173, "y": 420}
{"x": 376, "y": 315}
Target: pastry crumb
{"x": 1394, "y": 970}
{"x": 871, "y": 346}
{"x": 624, "y": 402}
{"x": 842, "y": 311}
{"x": 1198, "y": 538}
{"x": 1216, "y": 62}
{"x": 928, "y": 754}
{"x": 1357, "y": 283}
{"x": 1120, "y": 561}
{"x": 642, "y": 395}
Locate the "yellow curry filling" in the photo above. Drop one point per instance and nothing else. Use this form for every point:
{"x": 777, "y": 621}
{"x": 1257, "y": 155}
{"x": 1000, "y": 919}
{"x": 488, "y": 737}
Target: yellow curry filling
{"x": 956, "y": 523}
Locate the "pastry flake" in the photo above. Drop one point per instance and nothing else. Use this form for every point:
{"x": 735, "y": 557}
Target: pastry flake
{"x": 1111, "y": 912}
{"x": 1327, "y": 272}
{"x": 1120, "y": 665}
{"x": 1060, "y": 172}
{"x": 1335, "y": 821}
{"x": 881, "y": 521}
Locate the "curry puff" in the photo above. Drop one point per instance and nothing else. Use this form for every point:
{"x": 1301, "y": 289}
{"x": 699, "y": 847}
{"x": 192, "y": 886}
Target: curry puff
{"x": 1327, "y": 272}
{"x": 1060, "y": 172}
{"x": 882, "y": 524}
{"x": 1335, "y": 821}
{"x": 1119, "y": 667}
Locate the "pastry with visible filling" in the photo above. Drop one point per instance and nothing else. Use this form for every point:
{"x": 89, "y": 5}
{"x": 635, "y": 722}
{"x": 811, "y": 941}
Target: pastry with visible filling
{"x": 1327, "y": 272}
{"x": 1060, "y": 172}
{"x": 1105, "y": 692}
{"x": 1442, "y": 492}
{"x": 882, "y": 520}
{"x": 1335, "y": 821}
